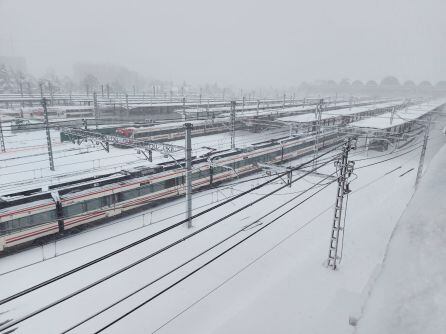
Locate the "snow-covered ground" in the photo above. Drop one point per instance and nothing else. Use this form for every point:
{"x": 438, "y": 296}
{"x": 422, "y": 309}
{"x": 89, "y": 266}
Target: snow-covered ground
{"x": 409, "y": 295}
{"x": 275, "y": 282}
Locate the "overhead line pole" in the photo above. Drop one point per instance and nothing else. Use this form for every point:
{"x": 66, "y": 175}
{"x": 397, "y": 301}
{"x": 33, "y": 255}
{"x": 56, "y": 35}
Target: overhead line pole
{"x": 2, "y": 139}
{"x": 95, "y": 106}
{"x": 48, "y": 134}
{"x": 345, "y": 169}
{"x": 188, "y": 151}
{"x": 318, "y": 115}
{"x": 233, "y": 124}
{"x": 423, "y": 153}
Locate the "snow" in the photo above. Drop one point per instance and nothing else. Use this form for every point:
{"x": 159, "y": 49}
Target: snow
{"x": 385, "y": 121}
{"x": 410, "y": 293}
{"x": 334, "y": 113}
{"x": 276, "y": 282}
{"x": 25, "y": 162}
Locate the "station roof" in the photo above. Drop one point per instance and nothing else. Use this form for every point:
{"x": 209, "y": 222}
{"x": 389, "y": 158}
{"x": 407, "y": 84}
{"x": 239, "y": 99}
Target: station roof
{"x": 383, "y": 121}
{"x": 310, "y": 117}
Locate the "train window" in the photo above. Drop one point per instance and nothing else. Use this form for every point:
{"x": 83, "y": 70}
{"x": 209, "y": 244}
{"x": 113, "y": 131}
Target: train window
{"x": 4, "y": 228}
{"x": 22, "y": 222}
{"x": 157, "y": 187}
{"x": 169, "y": 183}
{"x": 42, "y": 218}
{"x": 73, "y": 210}
{"x": 93, "y": 204}
{"x": 127, "y": 195}
{"x": 145, "y": 190}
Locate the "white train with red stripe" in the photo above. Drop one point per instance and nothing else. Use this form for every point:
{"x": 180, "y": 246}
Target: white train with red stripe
{"x": 29, "y": 215}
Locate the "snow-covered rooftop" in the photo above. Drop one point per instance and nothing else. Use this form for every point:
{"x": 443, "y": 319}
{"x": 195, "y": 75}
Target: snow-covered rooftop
{"x": 385, "y": 121}
{"x": 306, "y": 118}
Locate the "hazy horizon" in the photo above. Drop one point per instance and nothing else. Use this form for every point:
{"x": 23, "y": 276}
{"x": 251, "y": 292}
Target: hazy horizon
{"x": 246, "y": 44}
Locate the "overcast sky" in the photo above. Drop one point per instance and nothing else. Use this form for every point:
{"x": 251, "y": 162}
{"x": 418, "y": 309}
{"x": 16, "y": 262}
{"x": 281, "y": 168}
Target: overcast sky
{"x": 241, "y": 42}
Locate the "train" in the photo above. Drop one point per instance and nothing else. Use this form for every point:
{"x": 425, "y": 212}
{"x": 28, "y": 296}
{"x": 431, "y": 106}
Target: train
{"x": 248, "y": 120}
{"x": 28, "y": 216}
{"x": 173, "y": 131}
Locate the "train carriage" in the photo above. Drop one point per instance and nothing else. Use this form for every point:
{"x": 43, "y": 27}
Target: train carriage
{"x": 34, "y": 214}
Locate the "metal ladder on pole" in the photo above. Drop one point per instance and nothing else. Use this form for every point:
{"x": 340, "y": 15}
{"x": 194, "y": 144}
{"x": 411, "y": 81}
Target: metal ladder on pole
{"x": 345, "y": 169}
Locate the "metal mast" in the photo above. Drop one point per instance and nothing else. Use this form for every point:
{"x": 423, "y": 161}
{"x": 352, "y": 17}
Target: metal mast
{"x": 232, "y": 124}
{"x": 48, "y": 135}
{"x": 344, "y": 169}
{"x": 318, "y": 112}
{"x": 184, "y": 108}
{"x": 188, "y": 157}
{"x": 2, "y": 140}
{"x": 95, "y": 106}
{"x": 423, "y": 152}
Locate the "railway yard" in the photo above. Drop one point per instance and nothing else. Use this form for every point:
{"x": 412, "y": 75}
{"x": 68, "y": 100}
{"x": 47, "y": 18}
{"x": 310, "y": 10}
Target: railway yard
{"x": 115, "y": 233}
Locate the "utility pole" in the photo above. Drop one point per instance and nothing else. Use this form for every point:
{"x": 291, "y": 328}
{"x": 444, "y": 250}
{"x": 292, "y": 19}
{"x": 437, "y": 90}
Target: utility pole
{"x": 344, "y": 169}
{"x": 50, "y": 86}
{"x": 318, "y": 115}
{"x": 96, "y": 110}
{"x": 188, "y": 127}
{"x": 258, "y": 107}
{"x": 184, "y": 108}
{"x": 41, "y": 89}
{"x": 392, "y": 115}
{"x": 48, "y": 135}
{"x": 233, "y": 124}
{"x": 423, "y": 152}
{"x": 21, "y": 94}
{"x": 2, "y": 139}
{"x": 108, "y": 92}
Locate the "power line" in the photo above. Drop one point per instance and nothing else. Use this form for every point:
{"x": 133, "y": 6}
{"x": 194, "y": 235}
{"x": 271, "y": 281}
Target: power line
{"x": 244, "y": 228}
{"x": 267, "y": 252}
{"x": 139, "y": 241}
{"x": 207, "y": 263}
{"x": 133, "y": 264}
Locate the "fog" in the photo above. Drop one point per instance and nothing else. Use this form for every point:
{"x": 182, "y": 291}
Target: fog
{"x": 244, "y": 43}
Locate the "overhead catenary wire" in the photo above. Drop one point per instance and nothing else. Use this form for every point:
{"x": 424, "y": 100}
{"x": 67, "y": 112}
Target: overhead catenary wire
{"x": 141, "y": 260}
{"x": 207, "y": 262}
{"x": 139, "y": 241}
{"x": 243, "y": 229}
{"x": 248, "y": 265}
